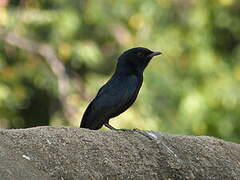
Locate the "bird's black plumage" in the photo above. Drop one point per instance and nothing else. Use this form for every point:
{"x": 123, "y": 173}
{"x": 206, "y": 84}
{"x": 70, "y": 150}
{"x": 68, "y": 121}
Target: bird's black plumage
{"x": 120, "y": 92}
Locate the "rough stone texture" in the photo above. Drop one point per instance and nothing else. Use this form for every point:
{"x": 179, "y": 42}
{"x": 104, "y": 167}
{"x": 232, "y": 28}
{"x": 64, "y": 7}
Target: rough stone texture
{"x": 72, "y": 153}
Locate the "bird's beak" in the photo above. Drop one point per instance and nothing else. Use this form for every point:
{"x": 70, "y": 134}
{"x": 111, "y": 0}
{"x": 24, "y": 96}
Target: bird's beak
{"x": 154, "y": 54}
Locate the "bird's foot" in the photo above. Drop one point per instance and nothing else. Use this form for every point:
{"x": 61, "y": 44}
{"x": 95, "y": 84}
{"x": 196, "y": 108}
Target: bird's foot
{"x": 114, "y": 129}
{"x": 124, "y": 129}
{"x": 110, "y": 127}
{"x": 135, "y": 129}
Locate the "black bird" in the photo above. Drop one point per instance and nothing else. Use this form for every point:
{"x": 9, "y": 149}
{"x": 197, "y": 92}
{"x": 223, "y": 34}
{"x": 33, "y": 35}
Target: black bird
{"x": 120, "y": 92}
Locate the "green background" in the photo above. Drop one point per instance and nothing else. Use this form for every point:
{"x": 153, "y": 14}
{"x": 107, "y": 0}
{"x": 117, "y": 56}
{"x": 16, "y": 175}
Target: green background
{"x": 55, "y": 55}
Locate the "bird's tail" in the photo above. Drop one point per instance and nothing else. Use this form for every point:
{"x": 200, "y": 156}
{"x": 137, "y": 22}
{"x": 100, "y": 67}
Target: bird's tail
{"x": 89, "y": 121}
{"x": 93, "y": 125}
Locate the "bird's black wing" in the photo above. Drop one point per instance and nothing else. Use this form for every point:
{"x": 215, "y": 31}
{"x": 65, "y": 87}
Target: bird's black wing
{"x": 112, "y": 99}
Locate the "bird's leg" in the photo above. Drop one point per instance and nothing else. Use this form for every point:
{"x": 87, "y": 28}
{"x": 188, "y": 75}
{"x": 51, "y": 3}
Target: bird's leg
{"x": 113, "y": 128}
{"x": 110, "y": 127}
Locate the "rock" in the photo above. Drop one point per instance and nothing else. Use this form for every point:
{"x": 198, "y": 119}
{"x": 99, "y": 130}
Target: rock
{"x": 72, "y": 153}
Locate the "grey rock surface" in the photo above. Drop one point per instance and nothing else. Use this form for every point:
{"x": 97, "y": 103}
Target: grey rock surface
{"x": 72, "y": 153}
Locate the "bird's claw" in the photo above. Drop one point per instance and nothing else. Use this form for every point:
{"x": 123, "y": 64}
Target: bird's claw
{"x": 135, "y": 129}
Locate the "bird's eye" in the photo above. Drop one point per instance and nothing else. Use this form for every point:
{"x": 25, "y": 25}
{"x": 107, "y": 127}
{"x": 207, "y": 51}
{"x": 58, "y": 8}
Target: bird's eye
{"x": 140, "y": 54}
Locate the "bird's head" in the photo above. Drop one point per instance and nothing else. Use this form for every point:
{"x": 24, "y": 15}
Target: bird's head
{"x": 135, "y": 60}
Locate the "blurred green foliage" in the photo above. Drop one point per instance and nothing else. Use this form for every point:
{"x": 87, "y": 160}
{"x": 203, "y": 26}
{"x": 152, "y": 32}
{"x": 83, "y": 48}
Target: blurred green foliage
{"x": 193, "y": 88}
